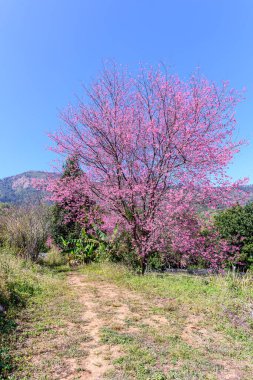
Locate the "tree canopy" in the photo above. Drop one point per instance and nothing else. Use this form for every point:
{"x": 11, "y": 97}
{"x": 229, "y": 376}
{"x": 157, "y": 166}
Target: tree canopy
{"x": 154, "y": 151}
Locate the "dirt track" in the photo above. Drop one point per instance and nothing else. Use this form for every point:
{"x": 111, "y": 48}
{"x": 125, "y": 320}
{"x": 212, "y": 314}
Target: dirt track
{"x": 97, "y": 330}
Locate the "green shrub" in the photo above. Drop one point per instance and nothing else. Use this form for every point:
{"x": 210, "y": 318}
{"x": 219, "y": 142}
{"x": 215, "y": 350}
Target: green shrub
{"x": 19, "y": 280}
{"x": 24, "y": 230}
{"x": 120, "y": 250}
{"x": 86, "y": 248}
{"x": 54, "y": 257}
{"x": 236, "y": 226}
{"x": 60, "y": 229}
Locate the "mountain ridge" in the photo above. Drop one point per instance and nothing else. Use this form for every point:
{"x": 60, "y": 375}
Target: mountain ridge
{"x": 18, "y": 189}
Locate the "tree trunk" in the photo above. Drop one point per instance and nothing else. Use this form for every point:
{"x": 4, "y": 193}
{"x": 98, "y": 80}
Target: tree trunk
{"x": 144, "y": 262}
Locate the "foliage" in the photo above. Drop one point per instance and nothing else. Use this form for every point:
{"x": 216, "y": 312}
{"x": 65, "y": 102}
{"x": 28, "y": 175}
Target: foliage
{"x": 4, "y": 207}
{"x": 19, "y": 281}
{"x": 54, "y": 257}
{"x": 66, "y": 224}
{"x": 60, "y": 228}
{"x": 68, "y": 230}
{"x": 86, "y": 248}
{"x": 71, "y": 167}
{"x": 24, "y": 229}
{"x": 155, "y": 151}
{"x": 236, "y": 225}
{"x": 121, "y": 250}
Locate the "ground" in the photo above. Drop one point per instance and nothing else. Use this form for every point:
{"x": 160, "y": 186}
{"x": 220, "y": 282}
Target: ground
{"x": 104, "y": 325}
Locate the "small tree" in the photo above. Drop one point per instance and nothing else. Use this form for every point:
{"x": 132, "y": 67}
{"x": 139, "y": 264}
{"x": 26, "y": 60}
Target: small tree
{"x": 236, "y": 226}
{"x": 67, "y": 208}
{"x": 154, "y": 150}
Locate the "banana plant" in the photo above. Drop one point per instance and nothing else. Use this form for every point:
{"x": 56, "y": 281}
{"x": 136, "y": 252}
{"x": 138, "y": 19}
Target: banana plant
{"x": 86, "y": 248}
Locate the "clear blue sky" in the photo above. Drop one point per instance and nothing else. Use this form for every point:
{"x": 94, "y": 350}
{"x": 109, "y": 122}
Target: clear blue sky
{"x": 49, "y": 47}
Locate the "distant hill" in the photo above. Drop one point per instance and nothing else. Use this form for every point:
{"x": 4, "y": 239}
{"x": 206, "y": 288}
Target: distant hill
{"x": 249, "y": 190}
{"x": 18, "y": 189}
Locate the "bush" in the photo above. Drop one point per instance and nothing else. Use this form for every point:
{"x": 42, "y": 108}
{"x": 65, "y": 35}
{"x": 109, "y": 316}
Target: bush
{"x": 60, "y": 229}
{"x": 24, "y": 230}
{"x": 86, "y": 248}
{"x": 19, "y": 279}
{"x": 236, "y": 226}
{"x": 54, "y": 257}
{"x": 121, "y": 250}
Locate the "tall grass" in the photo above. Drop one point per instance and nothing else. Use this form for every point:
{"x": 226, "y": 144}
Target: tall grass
{"x": 20, "y": 281}
{"x": 25, "y": 229}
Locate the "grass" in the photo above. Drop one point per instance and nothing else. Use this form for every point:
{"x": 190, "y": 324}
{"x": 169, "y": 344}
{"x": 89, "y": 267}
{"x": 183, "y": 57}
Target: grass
{"x": 211, "y": 295}
{"x": 34, "y": 301}
{"x": 19, "y": 281}
{"x": 189, "y": 327}
{"x": 152, "y": 327}
{"x": 54, "y": 258}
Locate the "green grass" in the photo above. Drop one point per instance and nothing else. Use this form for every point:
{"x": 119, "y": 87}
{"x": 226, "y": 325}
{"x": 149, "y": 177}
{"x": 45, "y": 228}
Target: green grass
{"x": 25, "y": 288}
{"x": 209, "y": 325}
{"x": 162, "y": 327}
{"x": 212, "y": 295}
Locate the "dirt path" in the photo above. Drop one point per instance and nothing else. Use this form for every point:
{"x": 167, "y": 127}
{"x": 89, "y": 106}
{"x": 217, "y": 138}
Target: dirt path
{"x": 105, "y": 306}
{"x": 99, "y": 356}
{"x": 108, "y": 307}
{"x": 97, "y": 330}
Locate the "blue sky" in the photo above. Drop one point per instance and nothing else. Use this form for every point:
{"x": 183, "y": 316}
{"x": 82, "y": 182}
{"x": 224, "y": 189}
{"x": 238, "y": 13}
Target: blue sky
{"x": 48, "y": 48}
